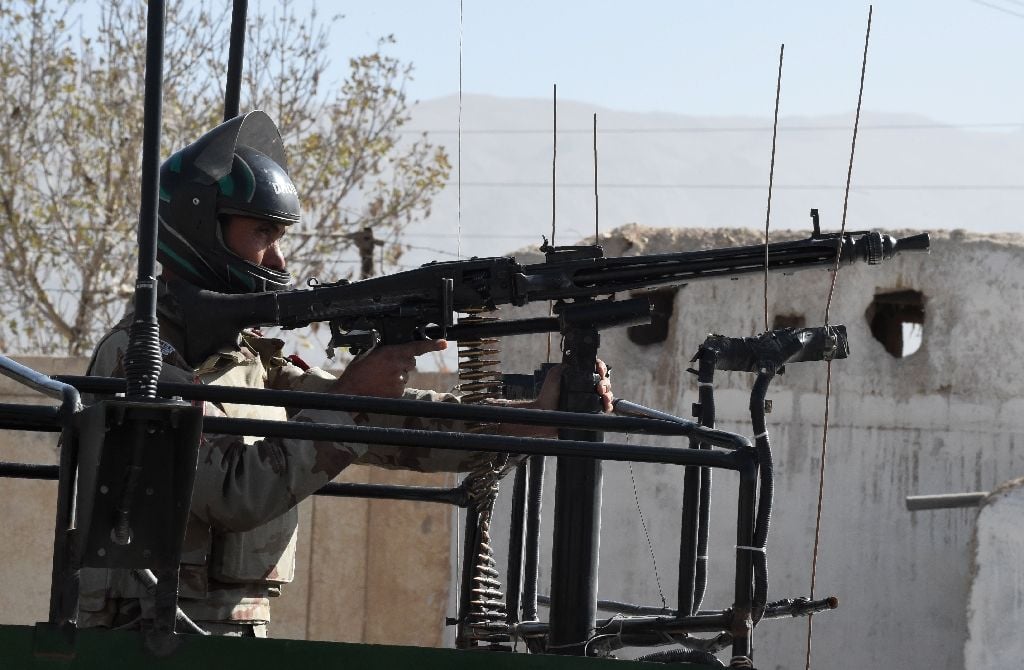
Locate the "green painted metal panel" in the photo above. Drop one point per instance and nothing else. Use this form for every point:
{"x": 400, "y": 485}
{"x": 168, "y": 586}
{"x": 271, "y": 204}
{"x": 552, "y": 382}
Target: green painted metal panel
{"x": 45, "y": 648}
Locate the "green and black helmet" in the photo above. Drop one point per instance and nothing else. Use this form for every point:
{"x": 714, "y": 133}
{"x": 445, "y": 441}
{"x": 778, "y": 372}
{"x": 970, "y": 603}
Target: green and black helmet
{"x": 239, "y": 167}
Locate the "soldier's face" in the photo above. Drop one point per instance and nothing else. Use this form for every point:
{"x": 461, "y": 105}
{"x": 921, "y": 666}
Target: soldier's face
{"x": 256, "y": 240}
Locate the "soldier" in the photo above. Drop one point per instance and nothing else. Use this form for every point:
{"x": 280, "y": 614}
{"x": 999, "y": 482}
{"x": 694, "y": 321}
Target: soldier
{"x": 225, "y": 202}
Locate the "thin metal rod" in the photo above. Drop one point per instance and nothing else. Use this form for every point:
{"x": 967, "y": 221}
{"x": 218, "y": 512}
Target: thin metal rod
{"x": 458, "y": 153}
{"x": 828, "y": 373}
{"x": 554, "y": 155}
{"x": 236, "y": 58}
{"x": 771, "y": 182}
{"x": 849, "y": 167}
{"x": 554, "y": 161}
{"x": 597, "y": 209}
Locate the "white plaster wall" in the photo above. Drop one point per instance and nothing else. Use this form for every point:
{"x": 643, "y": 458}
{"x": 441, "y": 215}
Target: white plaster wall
{"x": 995, "y": 609}
{"x": 945, "y": 419}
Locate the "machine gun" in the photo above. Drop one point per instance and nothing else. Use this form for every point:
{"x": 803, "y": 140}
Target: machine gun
{"x": 421, "y": 303}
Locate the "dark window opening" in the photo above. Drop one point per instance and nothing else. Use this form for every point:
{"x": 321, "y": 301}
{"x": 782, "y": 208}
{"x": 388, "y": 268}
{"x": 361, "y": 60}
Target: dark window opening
{"x": 662, "y": 302}
{"x": 789, "y": 321}
{"x": 897, "y": 321}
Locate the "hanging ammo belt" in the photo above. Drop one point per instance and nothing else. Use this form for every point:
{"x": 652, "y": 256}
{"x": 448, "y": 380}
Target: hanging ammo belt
{"x": 482, "y": 613}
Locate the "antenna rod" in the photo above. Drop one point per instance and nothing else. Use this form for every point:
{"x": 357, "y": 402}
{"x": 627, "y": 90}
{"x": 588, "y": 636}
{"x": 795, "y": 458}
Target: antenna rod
{"x": 458, "y": 162}
{"x": 597, "y": 220}
{"x": 828, "y": 369}
{"x": 554, "y": 153}
{"x": 236, "y": 54}
{"x": 771, "y": 182}
{"x": 143, "y": 359}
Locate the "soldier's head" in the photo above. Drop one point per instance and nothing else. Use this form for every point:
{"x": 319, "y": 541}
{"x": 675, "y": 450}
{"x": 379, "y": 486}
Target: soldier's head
{"x": 225, "y": 201}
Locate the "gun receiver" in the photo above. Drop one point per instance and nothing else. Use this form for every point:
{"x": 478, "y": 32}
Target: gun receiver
{"x": 421, "y": 303}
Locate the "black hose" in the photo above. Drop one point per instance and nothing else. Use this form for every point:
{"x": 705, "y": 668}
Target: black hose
{"x": 706, "y": 394}
{"x": 683, "y": 656}
{"x": 764, "y": 498}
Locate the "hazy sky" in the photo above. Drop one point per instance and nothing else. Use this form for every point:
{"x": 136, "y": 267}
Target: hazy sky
{"x": 956, "y": 61}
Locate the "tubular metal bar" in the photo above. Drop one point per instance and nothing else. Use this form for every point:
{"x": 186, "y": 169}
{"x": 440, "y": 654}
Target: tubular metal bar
{"x": 742, "y": 621}
{"x": 531, "y": 561}
{"x": 703, "y": 431}
{"x": 609, "y": 451}
{"x": 455, "y": 496}
{"x": 688, "y": 537}
{"x": 621, "y": 607}
{"x": 657, "y": 620}
{"x": 64, "y": 576}
{"x": 471, "y": 540}
{"x": 701, "y": 623}
{"x": 71, "y": 402}
{"x": 946, "y": 500}
{"x": 777, "y": 610}
{"x": 422, "y": 408}
{"x": 627, "y": 408}
{"x": 39, "y": 418}
{"x": 29, "y": 471}
{"x": 236, "y": 56}
{"x": 517, "y": 524}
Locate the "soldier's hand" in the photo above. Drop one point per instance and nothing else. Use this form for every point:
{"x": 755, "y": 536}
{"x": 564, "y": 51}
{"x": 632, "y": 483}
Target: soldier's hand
{"x": 548, "y": 396}
{"x": 384, "y": 371}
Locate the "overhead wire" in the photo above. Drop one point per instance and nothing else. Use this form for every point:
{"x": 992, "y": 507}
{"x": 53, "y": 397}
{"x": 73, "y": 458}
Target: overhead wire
{"x": 722, "y": 129}
{"x": 757, "y": 187}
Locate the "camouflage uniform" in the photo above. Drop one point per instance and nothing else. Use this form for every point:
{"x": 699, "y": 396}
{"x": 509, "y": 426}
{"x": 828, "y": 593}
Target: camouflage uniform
{"x": 241, "y": 534}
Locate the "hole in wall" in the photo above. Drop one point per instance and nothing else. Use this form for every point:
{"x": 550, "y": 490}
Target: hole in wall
{"x": 662, "y": 303}
{"x": 896, "y": 319}
{"x": 789, "y": 321}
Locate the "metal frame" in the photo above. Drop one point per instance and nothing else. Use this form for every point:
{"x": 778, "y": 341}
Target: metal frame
{"x": 734, "y": 452}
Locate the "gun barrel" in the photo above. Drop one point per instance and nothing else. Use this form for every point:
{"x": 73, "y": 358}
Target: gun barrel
{"x": 607, "y": 276}
{"x": 915, "y": 243}
{"x": 603, "y": 276}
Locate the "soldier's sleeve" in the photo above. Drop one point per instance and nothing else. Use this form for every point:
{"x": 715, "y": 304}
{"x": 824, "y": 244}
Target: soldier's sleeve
{"x": 423, "y": 459}
{"x": 240, "y": 486}
{"x": 284, "y": 375}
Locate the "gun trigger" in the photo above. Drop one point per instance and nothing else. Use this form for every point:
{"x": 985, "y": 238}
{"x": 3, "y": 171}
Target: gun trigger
{"x": 361, "y": 340}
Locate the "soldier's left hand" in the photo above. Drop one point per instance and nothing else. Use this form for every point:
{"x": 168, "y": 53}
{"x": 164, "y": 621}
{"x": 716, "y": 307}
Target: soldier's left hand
{"x": 548, "y": 396}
